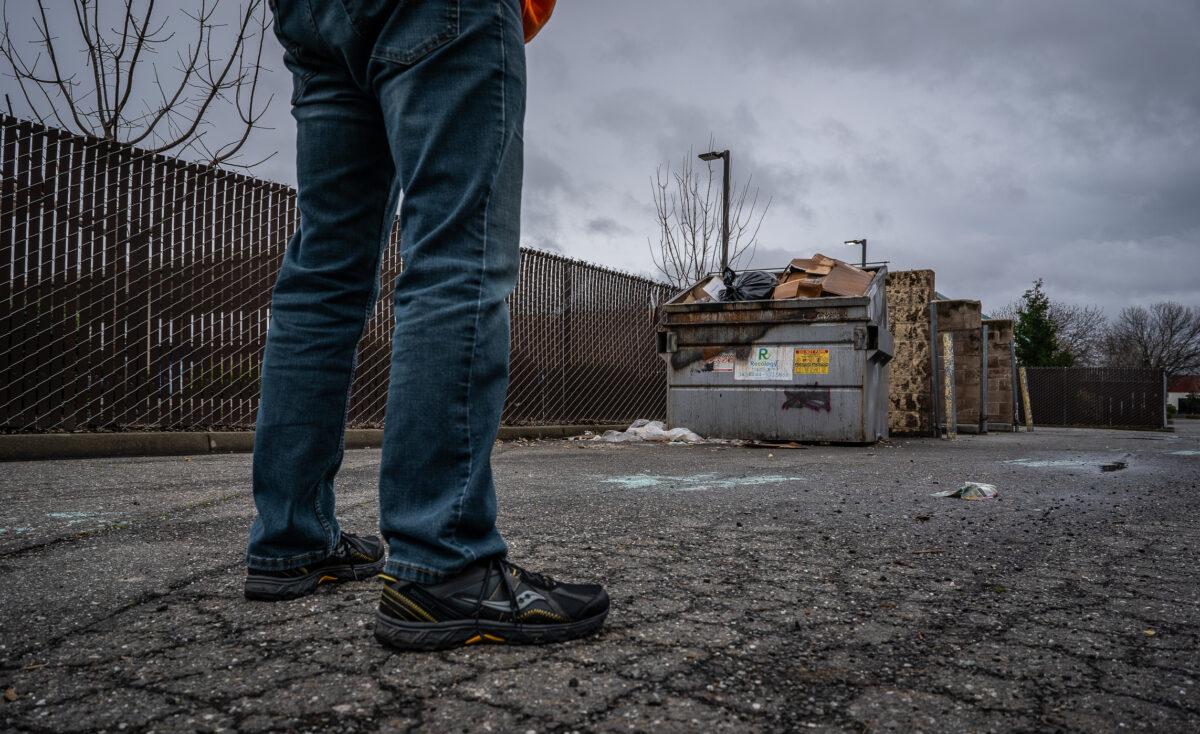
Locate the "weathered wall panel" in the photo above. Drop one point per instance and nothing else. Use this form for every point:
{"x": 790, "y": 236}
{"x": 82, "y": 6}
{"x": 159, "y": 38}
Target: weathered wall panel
{"x": 1000, "y": 374}
{"x": 964, "y": 320}
{"x": 910, "y": 404}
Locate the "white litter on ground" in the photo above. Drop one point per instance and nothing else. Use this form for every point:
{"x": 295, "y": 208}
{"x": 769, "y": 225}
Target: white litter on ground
{"x": 971, "y": 491}
{"x": 644, "y": 430}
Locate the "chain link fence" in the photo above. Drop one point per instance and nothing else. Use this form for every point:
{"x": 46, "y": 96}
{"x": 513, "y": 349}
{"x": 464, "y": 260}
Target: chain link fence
{"x": 1097, "y": 397}
{"x": 135, "y": 291}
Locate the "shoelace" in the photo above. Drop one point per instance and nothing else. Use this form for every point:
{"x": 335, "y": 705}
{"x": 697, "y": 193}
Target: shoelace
{"x": 539, "y": 579}
{"x": 348, "y": 545}
{"x": 501, "y": 566}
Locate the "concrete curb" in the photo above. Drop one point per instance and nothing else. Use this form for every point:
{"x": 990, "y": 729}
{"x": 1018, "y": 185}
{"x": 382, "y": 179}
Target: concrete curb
{"x": 42, "y": 446}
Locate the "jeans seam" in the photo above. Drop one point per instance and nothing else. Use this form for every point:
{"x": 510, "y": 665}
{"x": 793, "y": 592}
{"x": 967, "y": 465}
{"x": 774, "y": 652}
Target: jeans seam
{"x": 424, "y": 574}
{"x": 458, "y": 505}
{"x": 341, "y": 452}
{"x": 284, "y": 564}
{"x": 312, "y": 23}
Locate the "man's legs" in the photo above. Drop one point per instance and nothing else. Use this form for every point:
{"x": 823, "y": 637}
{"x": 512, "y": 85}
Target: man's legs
{"x": 454, "y": 120}
{"x": 326, "y": 287}
{"x": 449, "y": 77}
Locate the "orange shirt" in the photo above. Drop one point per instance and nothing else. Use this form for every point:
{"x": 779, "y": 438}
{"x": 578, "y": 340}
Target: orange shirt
{"x": 534, "y": 14}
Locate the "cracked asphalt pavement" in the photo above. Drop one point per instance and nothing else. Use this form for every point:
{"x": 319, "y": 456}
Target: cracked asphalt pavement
{"x": 805, "y": 589}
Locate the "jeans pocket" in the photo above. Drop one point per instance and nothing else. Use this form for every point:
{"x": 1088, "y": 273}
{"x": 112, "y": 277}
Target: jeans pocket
{"x": 404, "y": 31}
{"x": 283, "y": 24}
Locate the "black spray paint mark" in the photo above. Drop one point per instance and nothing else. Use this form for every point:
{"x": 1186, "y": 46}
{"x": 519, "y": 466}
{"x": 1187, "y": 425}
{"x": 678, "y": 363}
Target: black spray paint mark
{"x": 817, "y": 400}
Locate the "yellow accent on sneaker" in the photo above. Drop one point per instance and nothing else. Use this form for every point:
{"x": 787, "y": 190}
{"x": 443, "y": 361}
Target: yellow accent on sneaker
{"x": 408, "y": 604}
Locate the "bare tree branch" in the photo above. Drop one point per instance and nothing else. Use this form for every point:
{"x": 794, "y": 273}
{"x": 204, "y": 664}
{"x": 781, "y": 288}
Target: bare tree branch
{"x": 688, "y": 212}
{"x": 222, "y": 65}
{"x": 1164, "y": 335}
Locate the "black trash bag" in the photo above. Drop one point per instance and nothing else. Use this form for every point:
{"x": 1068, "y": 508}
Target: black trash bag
{"x": 752, "y": 285}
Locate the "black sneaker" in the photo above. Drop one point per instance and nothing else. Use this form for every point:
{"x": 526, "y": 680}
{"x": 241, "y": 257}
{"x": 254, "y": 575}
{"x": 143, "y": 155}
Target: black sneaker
{"x": 356, "y": 557}
{"x": 490, "y": 602}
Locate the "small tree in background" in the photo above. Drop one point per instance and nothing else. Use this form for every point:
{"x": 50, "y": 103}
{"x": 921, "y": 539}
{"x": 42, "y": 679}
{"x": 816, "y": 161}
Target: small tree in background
{"x": 687, "y": 204}
{"x": 1163, "y": 335}
{"x": 1035, "y": 333}
{"x": 1079, "y": 330}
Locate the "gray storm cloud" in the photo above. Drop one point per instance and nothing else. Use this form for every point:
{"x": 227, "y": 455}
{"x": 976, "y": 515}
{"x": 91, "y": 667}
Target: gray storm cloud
{"x": 993, "y": 142}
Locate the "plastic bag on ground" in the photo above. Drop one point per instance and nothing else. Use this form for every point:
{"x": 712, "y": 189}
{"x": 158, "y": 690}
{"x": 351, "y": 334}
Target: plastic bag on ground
{"x": 971, "y": 491}
{"x": 646, "y": 430}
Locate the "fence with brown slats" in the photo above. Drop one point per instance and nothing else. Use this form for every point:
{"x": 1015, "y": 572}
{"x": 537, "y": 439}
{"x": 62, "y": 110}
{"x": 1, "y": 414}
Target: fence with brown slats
{"x": 135, "y": 293}
{"x": 1098, "y": 397}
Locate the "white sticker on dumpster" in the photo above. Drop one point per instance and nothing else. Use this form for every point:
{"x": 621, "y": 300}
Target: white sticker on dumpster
{"x": 723, "y": 362}
{"x": 765, "y": 363}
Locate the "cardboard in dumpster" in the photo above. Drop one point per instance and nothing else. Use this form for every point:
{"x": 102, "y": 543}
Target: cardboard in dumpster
{"x": 846, "y": 280}
{"x": 970, "y": 491}
{"x": 816, "y": 265}
{"x": 818, "y": 276}
{"x": 799, "y": 287}
{"x": 706, "y": 291}
{"x": 811, "y": 277}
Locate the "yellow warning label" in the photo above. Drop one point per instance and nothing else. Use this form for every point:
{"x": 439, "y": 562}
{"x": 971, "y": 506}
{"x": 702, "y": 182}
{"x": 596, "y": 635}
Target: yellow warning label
{"x": 810, "y": 362}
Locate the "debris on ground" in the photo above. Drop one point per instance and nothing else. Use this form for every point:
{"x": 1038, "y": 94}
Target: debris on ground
{"x": 774, "y": 445}
{"x": 1113, "y": 466}
{"x": 970, "y": 491}
{"x": 646, "y": 430}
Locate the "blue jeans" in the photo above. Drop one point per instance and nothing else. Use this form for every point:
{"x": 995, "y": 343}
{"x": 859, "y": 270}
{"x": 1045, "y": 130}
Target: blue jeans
{"x": 427, "y": 98}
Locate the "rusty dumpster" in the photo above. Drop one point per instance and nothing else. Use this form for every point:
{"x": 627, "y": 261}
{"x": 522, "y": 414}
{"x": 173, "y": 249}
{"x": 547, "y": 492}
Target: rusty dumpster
{"x": 801, "y": 369}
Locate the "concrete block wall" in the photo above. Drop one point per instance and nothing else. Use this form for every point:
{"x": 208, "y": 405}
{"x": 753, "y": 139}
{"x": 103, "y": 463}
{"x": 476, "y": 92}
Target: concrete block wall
{"x": 964, "y": 319}
{"x": 910, "y": 408}
{"x": 1000, "y": 374}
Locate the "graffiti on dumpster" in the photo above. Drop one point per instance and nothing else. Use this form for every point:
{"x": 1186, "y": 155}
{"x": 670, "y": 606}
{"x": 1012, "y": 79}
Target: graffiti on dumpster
{"x": 815, "y": 399}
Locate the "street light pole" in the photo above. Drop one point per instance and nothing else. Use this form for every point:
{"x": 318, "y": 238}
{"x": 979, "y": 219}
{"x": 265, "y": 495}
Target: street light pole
{"x": 725, "y": 157}
{"x": 862, "y": 242}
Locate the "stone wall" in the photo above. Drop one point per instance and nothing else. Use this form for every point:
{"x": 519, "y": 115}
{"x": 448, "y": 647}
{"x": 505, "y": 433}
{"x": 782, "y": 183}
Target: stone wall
{"x": 1000, "y": 374}
{"x": 964, "y": 319}
{"x": 910, "y": 405}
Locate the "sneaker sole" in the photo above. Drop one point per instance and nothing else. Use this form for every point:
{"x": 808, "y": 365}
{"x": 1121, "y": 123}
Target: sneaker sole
{"x": 272, "y": 588}
{"x": 444, "y": 635}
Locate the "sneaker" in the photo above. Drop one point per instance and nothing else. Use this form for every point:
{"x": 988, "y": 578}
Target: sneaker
{"x": 356, "y": 557}
{"x": 489, "y": 602}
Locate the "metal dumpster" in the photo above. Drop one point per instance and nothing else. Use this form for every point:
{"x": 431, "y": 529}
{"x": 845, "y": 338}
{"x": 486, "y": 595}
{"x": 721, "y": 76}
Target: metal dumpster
{"x": 808, "y": 369}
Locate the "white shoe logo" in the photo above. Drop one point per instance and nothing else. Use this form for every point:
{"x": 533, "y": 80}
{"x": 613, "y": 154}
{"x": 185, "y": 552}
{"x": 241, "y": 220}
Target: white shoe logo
{"x": 524, "y": 599}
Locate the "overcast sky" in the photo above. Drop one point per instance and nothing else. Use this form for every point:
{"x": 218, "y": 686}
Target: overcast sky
{"x": 994, "y": 142}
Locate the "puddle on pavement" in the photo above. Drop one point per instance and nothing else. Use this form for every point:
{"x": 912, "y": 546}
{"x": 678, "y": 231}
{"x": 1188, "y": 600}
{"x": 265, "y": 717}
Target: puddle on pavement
{"x": 1101, "y": 464}
{"x": 1048, "y": 463}
{"x": 696, "y": 482}
{"x": 75, "y": 518}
